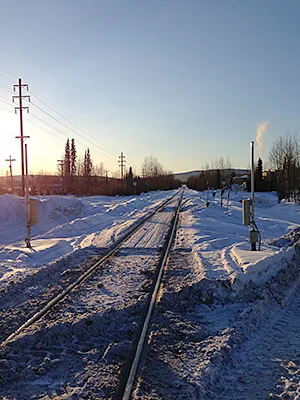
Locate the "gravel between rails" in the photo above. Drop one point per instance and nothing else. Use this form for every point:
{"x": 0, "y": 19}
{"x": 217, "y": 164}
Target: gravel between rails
{"x": 78, "y": 349}
{"x": 22, "y": 298}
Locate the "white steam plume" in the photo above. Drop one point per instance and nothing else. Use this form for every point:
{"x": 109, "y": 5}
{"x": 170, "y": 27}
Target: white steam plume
{"x": 261, "y": 129}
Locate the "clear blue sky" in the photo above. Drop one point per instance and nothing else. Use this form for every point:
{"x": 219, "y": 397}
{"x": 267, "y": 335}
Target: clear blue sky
{"x": 185, "y": 81}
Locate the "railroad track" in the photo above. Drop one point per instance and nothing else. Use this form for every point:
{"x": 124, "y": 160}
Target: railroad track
{"x": 129, "y": 373}
{"x": 29, "y": 336}
{"x": 83, "y": 274}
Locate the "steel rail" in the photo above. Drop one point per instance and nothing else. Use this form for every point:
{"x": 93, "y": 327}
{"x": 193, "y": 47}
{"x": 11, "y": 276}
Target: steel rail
{"x": 37, "y": 316}
{"x": 127, "y": 380}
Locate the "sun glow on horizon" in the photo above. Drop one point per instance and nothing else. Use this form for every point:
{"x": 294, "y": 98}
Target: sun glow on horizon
{"x": 10, "y": 146}
{"x": 42, "y": 149}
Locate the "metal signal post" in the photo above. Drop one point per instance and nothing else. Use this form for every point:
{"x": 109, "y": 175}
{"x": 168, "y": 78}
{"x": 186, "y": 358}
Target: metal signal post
{"x": 28, "y": 225}
{"x": 253, "y": 232}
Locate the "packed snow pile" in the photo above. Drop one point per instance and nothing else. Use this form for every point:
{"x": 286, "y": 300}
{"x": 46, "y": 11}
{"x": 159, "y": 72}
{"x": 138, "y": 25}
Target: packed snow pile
{"x": 262, "y": 265}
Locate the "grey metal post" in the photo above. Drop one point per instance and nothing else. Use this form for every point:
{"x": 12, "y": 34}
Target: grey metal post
{"x": 253, "y": 244}
{"x": 27, "y": 240}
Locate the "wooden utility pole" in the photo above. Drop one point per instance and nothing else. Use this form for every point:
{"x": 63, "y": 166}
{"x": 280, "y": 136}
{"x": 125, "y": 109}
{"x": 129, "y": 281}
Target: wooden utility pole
{"x": 10, "y": 160}
{"x": 20, "y": 97}
{"x": 122, "y": 163}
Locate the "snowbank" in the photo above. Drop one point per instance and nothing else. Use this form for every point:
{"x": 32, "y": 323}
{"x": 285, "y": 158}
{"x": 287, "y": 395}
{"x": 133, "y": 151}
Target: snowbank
{"x": 260, "y": 266}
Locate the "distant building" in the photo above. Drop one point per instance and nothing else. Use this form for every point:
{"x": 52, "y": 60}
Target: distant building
{"x": 241, "y": 180}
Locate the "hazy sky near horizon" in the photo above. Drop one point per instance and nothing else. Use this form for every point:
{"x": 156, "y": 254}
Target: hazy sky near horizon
{"x": 185, "y": 81}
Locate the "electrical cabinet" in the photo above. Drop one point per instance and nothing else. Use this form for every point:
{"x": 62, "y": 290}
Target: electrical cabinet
{"x": 246, "y": 211}
{"x": 34, "y": 214}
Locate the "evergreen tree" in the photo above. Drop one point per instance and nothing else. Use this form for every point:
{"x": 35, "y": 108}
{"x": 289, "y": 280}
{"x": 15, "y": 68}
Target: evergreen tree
{"x": 129, "y": 182}
{"x": 67, "y": 160}
{"x": 218, "y": 179}
{"x": 259, "y": 169}
{"x": 130, "y": 174}
{"x": 88, "y": 165}
{"x": 73, "y": 158}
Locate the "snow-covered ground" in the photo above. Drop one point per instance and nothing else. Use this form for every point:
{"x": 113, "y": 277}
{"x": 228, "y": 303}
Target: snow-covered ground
{"x": 66, "y": 225}
{"x": 216, "y": 290}
{"x": 226, "y": 325}
{"x": 217, "y": 237}
{"x": 219, "y": 242}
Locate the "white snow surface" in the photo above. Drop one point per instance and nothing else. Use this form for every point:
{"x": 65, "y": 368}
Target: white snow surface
{"x": 211, "y": 249}
{"x": 218, "y": 240}
{"x": 220, "y": 243}
{"x": 66, "y": 224}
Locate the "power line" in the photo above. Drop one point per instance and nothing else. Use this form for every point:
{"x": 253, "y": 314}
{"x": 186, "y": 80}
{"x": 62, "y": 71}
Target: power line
{"x": 8, "y": 89}
{"x": 65, "y": 116}
{"x": 55, "y": 129}
{"x": 41, "y": 127}
{"x": 58, "y": 120}
{"x": 3, "y": 99}
{"x": 69, "y": 120}
{"x": 9, "y": 79}
{"x": 66, "y": 126}
{"x": 50, "y": 126}
{"x": 102, "y": 148}
{"x": 70, "y": 128}
{"x": 5, "y": 109}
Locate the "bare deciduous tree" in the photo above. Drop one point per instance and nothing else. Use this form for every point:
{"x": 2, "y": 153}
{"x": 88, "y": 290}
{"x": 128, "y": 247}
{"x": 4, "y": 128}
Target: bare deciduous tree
{"x": 284, "y": 157}
{"x": 284, "y": 149}
{"x": 151, "y": 168}
{"x": 99, "y": 169}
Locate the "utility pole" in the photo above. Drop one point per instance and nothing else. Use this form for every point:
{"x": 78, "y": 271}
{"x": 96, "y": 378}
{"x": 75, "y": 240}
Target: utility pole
{"x": 122, "y": 163}
{"x": 10, "y": 169}
{"x": 20, "y": 97}
{"x": 61, "y": 166}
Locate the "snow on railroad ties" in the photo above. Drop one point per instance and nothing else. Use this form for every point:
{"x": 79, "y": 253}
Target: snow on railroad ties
{"x": 66, "y": 224}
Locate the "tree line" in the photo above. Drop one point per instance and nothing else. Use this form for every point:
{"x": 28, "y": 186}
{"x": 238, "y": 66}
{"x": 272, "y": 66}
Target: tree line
{"x": 283, "y": 174}
{"x": 80, "y": 176}
{"x": 217, "y": 176}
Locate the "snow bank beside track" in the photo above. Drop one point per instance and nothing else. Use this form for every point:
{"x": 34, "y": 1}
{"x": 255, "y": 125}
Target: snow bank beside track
{"x": 259, "y": 266}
